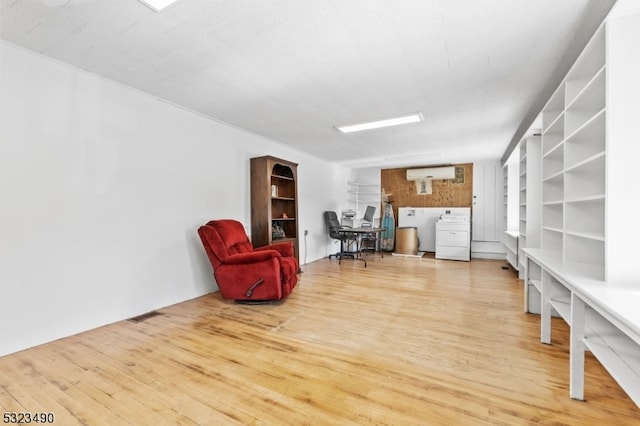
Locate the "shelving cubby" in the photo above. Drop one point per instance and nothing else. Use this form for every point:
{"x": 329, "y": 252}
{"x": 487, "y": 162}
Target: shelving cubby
{"x": 588, "y": 65}
{"x": 552, "y": 239}
{"x": 552, "y": 113}
{"x": 587, "y": 142}
{"x": 553, "y": 189}
{"x": 552, "y": 215}
{"x": 584, "y": 218}
{"x": 560, "y": 298}
{"x": 582, "y": 249}
{"x": 522, "y": 228}
{"x": 553, "y": 161}
{"x": 585, "y": 180}
{"x": 587, "y": 104}
{"x": 553, "y": 136}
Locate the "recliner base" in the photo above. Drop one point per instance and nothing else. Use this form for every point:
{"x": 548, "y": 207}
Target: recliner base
{"x": 256, "y": 302}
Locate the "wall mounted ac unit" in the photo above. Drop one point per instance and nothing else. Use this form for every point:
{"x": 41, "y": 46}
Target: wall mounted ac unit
{"x": 447, "y": 172}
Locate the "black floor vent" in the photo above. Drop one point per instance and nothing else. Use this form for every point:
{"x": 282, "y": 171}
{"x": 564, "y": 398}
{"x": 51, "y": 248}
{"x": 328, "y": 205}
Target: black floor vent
{"x": 145, "y": 317}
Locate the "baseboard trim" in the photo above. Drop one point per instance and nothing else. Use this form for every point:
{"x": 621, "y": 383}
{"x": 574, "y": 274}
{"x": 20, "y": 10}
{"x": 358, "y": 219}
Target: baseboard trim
{"x": 485, "y": 255}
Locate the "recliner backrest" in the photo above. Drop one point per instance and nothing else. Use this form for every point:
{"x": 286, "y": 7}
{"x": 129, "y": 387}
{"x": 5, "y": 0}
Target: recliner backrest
{"x": 223, "y": 238}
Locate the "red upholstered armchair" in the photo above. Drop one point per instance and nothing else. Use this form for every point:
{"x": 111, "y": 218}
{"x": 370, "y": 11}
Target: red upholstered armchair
{"x": 243, "y": 273}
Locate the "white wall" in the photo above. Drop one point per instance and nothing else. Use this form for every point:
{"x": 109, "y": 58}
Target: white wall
{"x": 102, "y": 189}
{"x": 322, "y": 187}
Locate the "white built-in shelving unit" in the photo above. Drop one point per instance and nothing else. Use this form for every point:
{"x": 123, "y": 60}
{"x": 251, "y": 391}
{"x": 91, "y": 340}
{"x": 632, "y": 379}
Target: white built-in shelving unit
{"x": 584, "y": 268}
{"x": 510, "y": 238}
{"x": 529, "y": 207}
{"x": 361, "y": 195}
{"x": 505, "y": 195}
{"x": 574, "y": 162}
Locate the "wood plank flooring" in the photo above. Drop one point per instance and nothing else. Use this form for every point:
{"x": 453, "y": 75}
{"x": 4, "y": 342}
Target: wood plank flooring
{"x": 402, "y": 342}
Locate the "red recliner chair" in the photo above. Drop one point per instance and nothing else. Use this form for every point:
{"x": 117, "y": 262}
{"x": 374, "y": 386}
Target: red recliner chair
{"x": 243, "y": 273}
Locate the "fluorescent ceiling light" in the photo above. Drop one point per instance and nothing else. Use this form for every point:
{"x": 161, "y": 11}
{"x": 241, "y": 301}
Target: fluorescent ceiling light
{"x": 413, "y": 118}
{"x": 157, "y": 5}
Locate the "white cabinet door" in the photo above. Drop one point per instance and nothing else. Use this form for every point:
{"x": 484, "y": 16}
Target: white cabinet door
{"x": 487, "y": 207}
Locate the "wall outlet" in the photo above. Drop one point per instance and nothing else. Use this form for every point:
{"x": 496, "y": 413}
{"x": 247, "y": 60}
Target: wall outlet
{"x": 306, "y": 232}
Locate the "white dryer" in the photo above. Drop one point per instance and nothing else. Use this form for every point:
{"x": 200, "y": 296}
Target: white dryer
{"x": 453, "y": 237}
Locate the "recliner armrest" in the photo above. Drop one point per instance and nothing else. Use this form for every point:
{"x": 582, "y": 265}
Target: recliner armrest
{"x": 251, "y": 257}
{"x": 285, "y": 249}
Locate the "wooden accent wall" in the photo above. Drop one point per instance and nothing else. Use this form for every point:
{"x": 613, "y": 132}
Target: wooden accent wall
{"x": 446, "y": 192}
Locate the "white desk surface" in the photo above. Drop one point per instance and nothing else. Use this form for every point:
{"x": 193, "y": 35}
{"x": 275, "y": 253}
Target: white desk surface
{"x": 620, "y": 304}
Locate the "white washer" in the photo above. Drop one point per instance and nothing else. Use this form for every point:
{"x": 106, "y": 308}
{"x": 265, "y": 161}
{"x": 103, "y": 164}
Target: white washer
{"x": 453, "y": 237}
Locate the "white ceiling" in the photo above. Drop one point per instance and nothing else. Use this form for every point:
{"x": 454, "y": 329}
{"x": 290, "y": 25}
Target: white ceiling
{"x": 290, "y": 70}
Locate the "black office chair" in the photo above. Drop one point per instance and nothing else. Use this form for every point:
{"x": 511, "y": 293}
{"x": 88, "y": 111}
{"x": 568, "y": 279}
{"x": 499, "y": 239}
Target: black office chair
{"x": 340, "y": 233}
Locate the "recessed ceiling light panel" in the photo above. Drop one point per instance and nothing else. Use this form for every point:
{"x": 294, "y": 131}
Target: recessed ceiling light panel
{"x": 413, "y": 118}
{"x": 157, "y": 5}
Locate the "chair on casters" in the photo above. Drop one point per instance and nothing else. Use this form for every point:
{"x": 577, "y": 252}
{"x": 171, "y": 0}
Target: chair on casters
{"x": 340, "y": 233}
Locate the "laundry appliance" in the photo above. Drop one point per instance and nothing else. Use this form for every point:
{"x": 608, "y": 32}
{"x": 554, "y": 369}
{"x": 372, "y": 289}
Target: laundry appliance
{"x": 453, "y": 237}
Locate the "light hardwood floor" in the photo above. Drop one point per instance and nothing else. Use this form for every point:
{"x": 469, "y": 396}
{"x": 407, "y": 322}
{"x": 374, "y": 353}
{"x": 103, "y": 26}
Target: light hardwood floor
{"x": 402, "y": 342}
